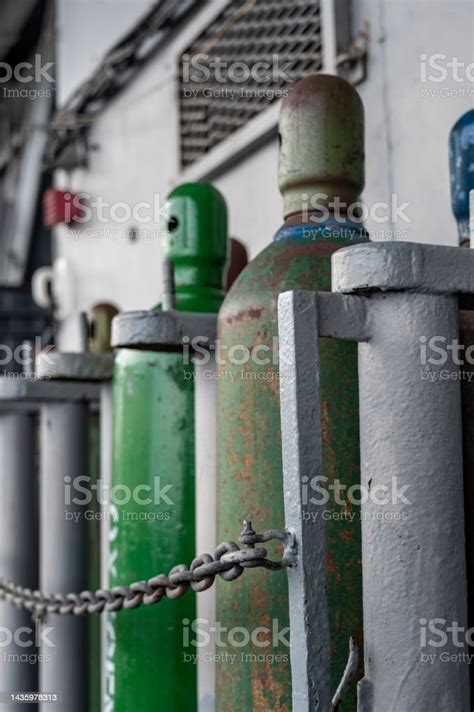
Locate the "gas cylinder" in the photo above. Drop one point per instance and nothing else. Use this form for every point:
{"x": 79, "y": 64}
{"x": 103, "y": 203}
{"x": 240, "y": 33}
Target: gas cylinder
{"x": 461, "y": 162}
{"x": 152, "y": 507}
{"x": 321, "y": 175}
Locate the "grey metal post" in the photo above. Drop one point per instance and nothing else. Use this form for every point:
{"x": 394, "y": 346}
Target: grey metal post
{"x": 205, "y": 418}
{"x": 395, "y": 298}
{"x": 72, "y": 380}
{"x": 18, "y": 551}
{"x": 106, "y": 425}
{"x": 303, "y": 457}
{"x": 63, "y": 549}
{"x": 105, "y": 462}
{"x": 413, "y": 548}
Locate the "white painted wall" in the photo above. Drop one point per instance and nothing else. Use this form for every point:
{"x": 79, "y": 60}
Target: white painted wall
{"x": 407, "y": 134}
{"x": 86, "y": 30}
{"x": 137, "y": 142}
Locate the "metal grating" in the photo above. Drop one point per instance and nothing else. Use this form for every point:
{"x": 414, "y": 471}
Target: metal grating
{"x": 222, "y": 86}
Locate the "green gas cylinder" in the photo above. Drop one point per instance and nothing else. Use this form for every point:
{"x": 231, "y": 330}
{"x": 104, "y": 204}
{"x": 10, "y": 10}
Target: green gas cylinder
{"x": 152, "y": 507}
{"x": 321, "y": 175}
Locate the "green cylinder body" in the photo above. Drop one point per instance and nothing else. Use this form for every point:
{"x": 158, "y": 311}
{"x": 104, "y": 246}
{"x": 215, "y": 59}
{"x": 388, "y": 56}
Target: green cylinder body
{"x": 153, "y": 441}
{"x": 257, "y": 676}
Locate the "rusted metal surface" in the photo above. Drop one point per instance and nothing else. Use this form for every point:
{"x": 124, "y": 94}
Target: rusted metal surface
{"x": 322, "y": 143}
{"x": 250, "y": 474}
{"x": 321, "y": 133}
{"x": 238, "y": 261}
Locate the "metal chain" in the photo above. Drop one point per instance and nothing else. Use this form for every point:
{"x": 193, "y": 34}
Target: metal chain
{"x": 229, "y": 561}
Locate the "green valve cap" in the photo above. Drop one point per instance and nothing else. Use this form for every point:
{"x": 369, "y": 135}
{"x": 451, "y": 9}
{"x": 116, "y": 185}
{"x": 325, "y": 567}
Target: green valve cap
{"x": 196, "y": 239}
{"x": 321, "y": 143}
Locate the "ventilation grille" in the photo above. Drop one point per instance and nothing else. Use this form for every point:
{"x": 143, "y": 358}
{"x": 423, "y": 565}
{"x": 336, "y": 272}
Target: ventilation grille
{"x": 223, "y": 82}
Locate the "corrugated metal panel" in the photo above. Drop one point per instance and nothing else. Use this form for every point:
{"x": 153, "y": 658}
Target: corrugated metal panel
{"x": 222, "y": 84}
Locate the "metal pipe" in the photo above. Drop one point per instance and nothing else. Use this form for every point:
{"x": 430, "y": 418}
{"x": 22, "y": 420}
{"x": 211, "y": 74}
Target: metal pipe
{"x": 18, "y": 552}
{"x": 63, "y": 548}
{"x": 106, "y": 477}
{"x": 75, "y": 378}
{"x": 414, "y": 567}
{"x": 205, "y": 511}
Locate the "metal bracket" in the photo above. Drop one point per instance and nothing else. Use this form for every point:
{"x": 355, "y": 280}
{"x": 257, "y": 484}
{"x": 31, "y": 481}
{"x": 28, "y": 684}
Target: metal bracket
{"x": 347, "y": 677}
{"x": 74, "y": 366}
{"x": 28, "y": 395}
{"x": 249, "y": 538}
{"x": 352, "y": 64}
{"x": 303, "y": 456}
{"x": 303, "y": 318}
{"x": 163, "y": 330}
{"x": 408, "y": 266}
{"x": 342, "y": 316}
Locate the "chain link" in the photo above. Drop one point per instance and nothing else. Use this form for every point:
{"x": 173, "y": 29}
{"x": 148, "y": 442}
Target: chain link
{"x": 229, "y": 561}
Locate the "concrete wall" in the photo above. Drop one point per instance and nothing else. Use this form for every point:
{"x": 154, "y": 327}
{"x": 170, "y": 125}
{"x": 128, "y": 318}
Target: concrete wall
{"x": 137, "y": 143}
